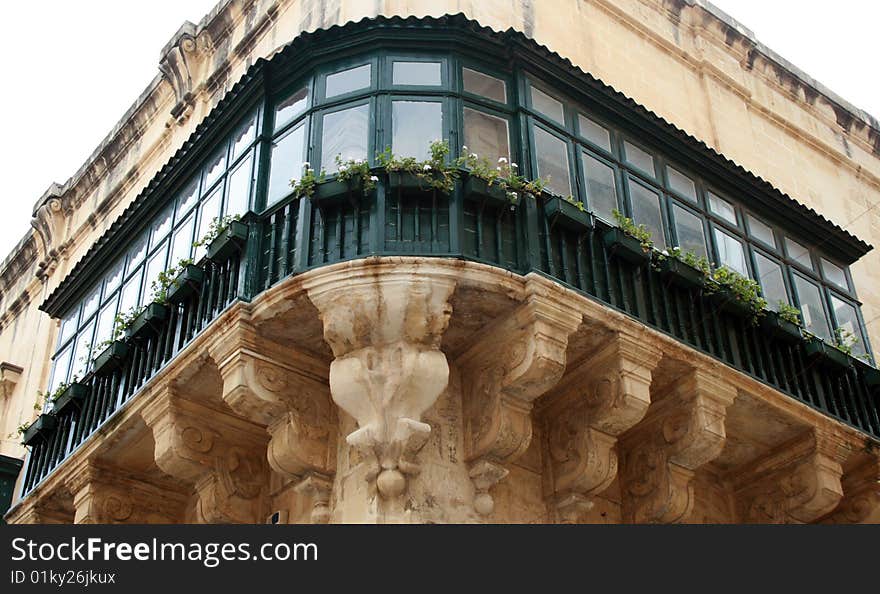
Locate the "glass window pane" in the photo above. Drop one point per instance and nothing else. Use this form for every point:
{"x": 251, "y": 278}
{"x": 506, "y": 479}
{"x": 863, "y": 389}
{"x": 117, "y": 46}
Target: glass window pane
{"x": 181, "y": 243}
{"x": 761, "y": 231}
{"x": 601, "y": 187}
{"x": 722, "y": 208}
{"x": 136, "y": 253}
{"x": 552, "y": 157}
{"x": 811, "y": 308}
{"x": 414, "y": 124}
{"x": 105, "y": 321}
{"x": 160, "y": 227}
{"x": 83, "y": 350}
{"x": 113, "y": 278}
{"x": 155, "y": 266}
{"x": 689, "y": 231}
{"x": 848, "y": 320}
{"x": 290, "y": 108}
{"x": 239, "y": 188}
{"x": 486, "y": 135}
{"x": 345, "y": 133}
{"x": 90, "y": 304}
{"x": 243, "y": 137}
{"x": 730, "y": 252}
{"x": 348, "y": 81}
{"x": 547, "y": 105}
{"x": 770, "y": 277}
{"x": 639, "y": 158}
{"x": 593, "y": 132}
{"x": 484, "y": 85}
{"x": 646, "y": 211}
{"x": 131, "y": 291}
{"x": 416, "y": 73}
{"x": 208, "y": 212}
{"x": 68, "y": 325}
{"x": 60, "y": 369}
{"x": 798, "y": 253}
{"x": 215, "y": 167}
{"x": 834, "y": 273}
{"x": 682, "y": 184}
{"x": 186, "y": 199}
{"x": 288, "y": 156}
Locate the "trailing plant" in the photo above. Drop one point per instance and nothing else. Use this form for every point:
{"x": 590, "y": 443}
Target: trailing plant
{"x": 355, "y": 172}
{"x": 504, "y": 174}
{"x": 164, "y": 281}
{"x": 305, "y": 186}
{"x": 789, "y": 313}
{"x": 639, "y": 232}
{"x": 217, "y": 226}
{"x": 687, "y": 257}
{"x": 845, "y": 340}
{"x": 21, "y": 429}
{"x": 745, "y": 290}
{"x": 577, "y": 203}
{"x": 434, "y": 172}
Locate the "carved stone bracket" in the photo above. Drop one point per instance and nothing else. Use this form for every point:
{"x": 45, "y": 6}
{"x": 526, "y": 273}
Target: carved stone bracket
{"x": 9, "y": 376}
{"x": 221, "y": 456}
{"x": 682, "y": 431}
{"x": 861, "y": 496}
{"x": 516, "y": 361}
{"x": 798, "y": 483}
{"x": 50, "y": 219}
{"x": 109, "y": 496}
{"x": 384, "y": 324}
{"x": 595, "y": 403}
{"x": 184, "y": 65}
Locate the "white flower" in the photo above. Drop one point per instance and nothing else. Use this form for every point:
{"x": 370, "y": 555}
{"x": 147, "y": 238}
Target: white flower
{"x": 498, "y": 168}
{"x": 502, "y": 160}
{"x": 310, "y": 170}
{"x": 473, "y": 155}
{"x": 514, "y": 165}
{"x": 374, "y": 178}
{"x": 307, "y": 164}
{"x": 464, "y": 147}
{"x": 665, "y": 253}
{"x": 427, "y": 167}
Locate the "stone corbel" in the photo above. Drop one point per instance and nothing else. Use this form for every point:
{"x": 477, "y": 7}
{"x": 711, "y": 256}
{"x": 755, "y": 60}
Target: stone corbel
{"x": 384, "y": 324}
{"x": 681, "y": 432}
{"x": 50, "y": 223}
{"x": 220, "y": 455}
{"x": 796, "y": 484}
{"x": 861, "y": 496}
{"x": 184, "y": 65}
{"x": 594, "y": 404}
{"x": 108, "y": 496}
{"x": 9, "y": 376}
{"x": 516, "y": 361}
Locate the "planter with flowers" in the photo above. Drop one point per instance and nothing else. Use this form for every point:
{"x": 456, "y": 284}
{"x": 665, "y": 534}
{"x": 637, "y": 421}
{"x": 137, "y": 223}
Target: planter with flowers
{"x": 736, "y": 294}
{"x": 40, "y": 430}
{"x": 68, "y": 395}
{"x": 567, "y": 213}
{"x": 499, "y": 184}
{"x": 628, "y": 242}
{"x": 784, "y": 324}
{"x": 831, "y": 357}
{"x": 683, "y": 269}
{"x": 187, "y": 279}
{"x": 407, "y": 174}
{"x": 225, "y": 237}
{"x": 111, "y": 356}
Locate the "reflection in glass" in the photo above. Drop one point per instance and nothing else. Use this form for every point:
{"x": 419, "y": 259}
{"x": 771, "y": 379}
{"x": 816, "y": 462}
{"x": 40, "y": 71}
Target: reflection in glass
{"x": 812, "y": 312}
{"x": 761, "y": 231}
{"x": 90, "y": 304}
{"x": 243, "y": 137}
{"x": 682, "y": 184}
{"x": 414, "y": 124}
{"x": 484, "y": 85}
{"x": 181, "y": 245}
{"x": 646, "y": 211}
{"x": 416, "y": 73}
{"x": 639, "y": 158}
{"x": 208, "y": 212}
{"x": 114, "y": 277}
{"x": 215, "y": 167}
{"x": 345, "y": 133}
{"x": 348, "y": 81}
{"x": 848, "y": 320}
{"x": 287, "y": 110}
{"x": 136, "y": 253}
{"x": 730, "y": 252}
{"x": 722, "y": 208}
{"x": 798, "y": 253}
{"x": 288, "y": 156}
{"x": 552, "y": 157}
{"x": 155, "y": 266}
{"x": 130, "y": 296}
{"x": 772, "y": 282}
{"x": 834, "y": 274}
{"x": 238, "y": 188}
{"x": 160, "y": 227}
{"x": 601, "y": 187}
{"x": 81, "y": 354}
{"x": 106, "y": 319}
{"x": 593, "y": 132}
{"x": 486, "y": 135}
{"x": 68, "y": 325}
{"x": 689, "y": 231}
{"x": 547, "y": 105}
{"x": 187, "y": 199}
{"x": 60, "y": 369}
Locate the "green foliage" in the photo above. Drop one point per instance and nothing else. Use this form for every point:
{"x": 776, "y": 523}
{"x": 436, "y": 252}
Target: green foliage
{"x": 503, "y": 175}
{"x": 845, "y": 340}
{"x": 217, "y": 226}
{"x": 639, "y": 232}
{"x": 21, "y": 428}
{"x": 789, "y": 313}
{"x": 434, "y": 172}
{"x": 355, "y": 172}
{"x": 580, "y": 205}
{"x": 741, "y": 288}
{"x": 687, "y": 257}
{"x": 305, "y": 186}
{"x": 164, "y": 281}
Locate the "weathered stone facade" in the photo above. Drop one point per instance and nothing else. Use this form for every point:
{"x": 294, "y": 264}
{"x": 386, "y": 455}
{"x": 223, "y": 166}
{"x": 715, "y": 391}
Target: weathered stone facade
{"x": 427, "y": 390}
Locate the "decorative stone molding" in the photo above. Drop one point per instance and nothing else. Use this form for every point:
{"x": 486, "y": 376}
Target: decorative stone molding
{"x": 221, "y": 456}
{"x": 384, "y": 324}
{"x": 42, "y": 510}
{"x": 795, "y": 484}
{"x": 185, "y": 64}
{"x": 319, "y": 489}
{"x": 861, "y": 496}
{"x": 682, "y": 431}
{"x": 50, "y": 219}
{"x": 9, "y": 376}
{"x": 512, "y": 364}
{"x": 109, "y": 496}
{"x": 595, "y": 403}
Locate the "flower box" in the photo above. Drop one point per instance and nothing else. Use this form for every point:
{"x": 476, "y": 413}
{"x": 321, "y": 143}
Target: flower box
{"x": 479, "y": 190}
{"x": 111, "y": 358}
{"x": 681, "y": 274}
{"x": 334, "y": 191}
{"x": 781, "y": 329}
{"x": 39, "y": 430}
{"x": 185, "y": 284}
{"x": 228, "y": 242}
{"x": 870, "y": 375}
{"x": 408, "y": 182}
{"x": 728, "y": 302}
{"x": 825, "y": 355}
{"x": 565, "y": 214}
{"x": 73, "y": 395}
{"x": 149, "y": 321}
{"x": 626, "y": 247}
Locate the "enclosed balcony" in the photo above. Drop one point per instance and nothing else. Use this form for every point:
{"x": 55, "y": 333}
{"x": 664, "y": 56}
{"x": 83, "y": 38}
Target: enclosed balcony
{"x": 359, "y": 109}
